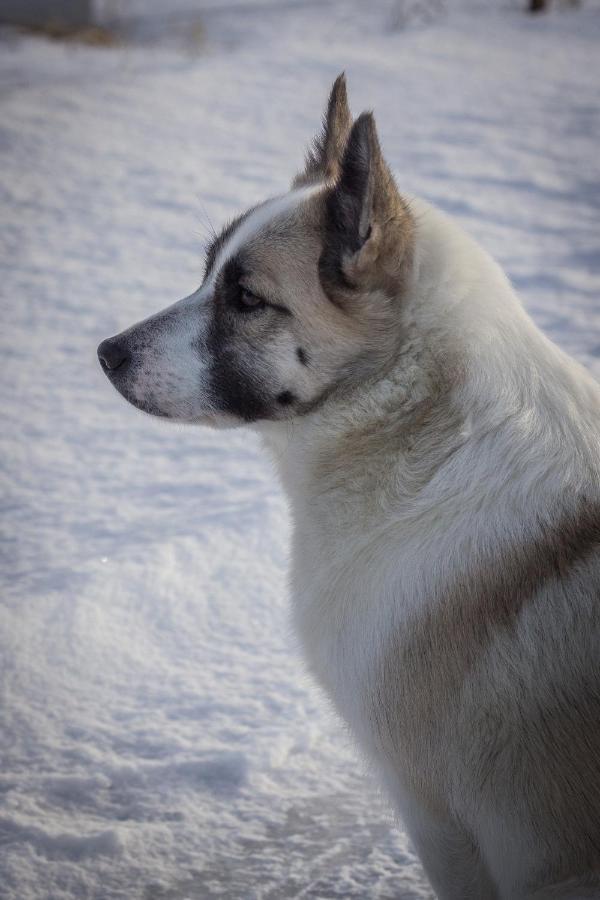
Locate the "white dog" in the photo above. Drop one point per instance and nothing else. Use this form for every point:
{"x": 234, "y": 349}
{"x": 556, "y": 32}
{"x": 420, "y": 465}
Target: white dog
{"x": 444, "y": 476}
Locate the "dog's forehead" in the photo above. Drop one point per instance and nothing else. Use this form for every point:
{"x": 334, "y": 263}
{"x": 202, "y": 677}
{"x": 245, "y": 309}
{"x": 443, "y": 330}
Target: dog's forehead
{"x": 257, "y": 230}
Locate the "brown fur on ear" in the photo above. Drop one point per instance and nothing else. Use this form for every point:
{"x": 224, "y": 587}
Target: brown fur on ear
{"x": 324, "y": 157}
{"x": 368, "y": 227}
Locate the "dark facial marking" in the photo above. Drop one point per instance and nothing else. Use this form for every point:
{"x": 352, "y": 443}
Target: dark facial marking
{"x": 302, "y": 355}
{"x": 233, "y": 385}
{"x": 228, "y": 288}
{"x": 234, "y": 390}
{"x": 286, "y": 398}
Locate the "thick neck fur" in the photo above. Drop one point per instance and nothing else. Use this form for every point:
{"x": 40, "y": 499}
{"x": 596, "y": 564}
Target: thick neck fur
{"x": 477, "y": 392}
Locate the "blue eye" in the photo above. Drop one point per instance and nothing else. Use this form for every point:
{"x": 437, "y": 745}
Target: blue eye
{"x": 250, "y": 300}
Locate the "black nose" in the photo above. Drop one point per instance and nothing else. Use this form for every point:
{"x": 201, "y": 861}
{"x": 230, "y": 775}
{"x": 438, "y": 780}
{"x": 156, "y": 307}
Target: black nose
{"x": 113, "y": 353}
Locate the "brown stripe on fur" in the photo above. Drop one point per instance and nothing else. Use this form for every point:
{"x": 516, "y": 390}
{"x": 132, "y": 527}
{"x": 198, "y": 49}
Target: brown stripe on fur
{"x": 521, "y": 716}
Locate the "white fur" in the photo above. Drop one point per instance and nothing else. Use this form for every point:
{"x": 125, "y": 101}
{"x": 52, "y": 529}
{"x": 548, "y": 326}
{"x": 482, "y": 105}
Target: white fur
{"x": 166, "y": 361}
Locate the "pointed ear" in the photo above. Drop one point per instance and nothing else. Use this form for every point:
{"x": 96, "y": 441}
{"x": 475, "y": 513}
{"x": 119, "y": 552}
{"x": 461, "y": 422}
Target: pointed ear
{"x": 324, "y": 157}
{"x": 367, "y": 224}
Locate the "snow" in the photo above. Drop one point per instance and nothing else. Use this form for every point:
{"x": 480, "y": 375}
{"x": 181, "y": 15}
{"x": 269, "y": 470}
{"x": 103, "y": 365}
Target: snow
{"x": 159, "y": 736}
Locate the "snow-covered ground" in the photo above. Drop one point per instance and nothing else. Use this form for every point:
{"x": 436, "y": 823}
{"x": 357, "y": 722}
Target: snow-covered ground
{"x": 159, "y": 736}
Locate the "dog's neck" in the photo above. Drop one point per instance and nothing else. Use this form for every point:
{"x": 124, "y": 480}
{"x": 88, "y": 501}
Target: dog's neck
{"x": 373, "y": 435}
{"x": 473, "y": 375}
{"x": 395, "y": 427}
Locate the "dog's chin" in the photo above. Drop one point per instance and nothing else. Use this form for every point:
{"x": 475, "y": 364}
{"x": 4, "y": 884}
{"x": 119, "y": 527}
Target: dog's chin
{"x": 145, "y": 404}
{"x": 148, "y": 404}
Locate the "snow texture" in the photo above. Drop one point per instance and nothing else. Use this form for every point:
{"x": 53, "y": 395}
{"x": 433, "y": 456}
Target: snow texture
{"x": 159, "y": 736}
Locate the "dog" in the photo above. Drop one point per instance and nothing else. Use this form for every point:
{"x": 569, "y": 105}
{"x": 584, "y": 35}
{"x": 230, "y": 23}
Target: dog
{"x": 442, "y": 461}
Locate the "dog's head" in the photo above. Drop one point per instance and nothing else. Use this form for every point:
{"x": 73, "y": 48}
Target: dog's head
{"x": 300, "y": 295}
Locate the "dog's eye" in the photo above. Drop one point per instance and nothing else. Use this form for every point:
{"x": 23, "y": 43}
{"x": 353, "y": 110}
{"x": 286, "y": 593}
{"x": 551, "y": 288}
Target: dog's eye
{"x": 248, "y": 300}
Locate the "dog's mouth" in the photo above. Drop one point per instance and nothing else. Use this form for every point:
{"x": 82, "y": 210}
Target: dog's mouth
{"x": 146, "y": 405}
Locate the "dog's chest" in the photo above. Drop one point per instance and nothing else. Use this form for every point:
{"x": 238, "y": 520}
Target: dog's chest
{"x": 364, "y": 624}
{"x": 346, "y": 609}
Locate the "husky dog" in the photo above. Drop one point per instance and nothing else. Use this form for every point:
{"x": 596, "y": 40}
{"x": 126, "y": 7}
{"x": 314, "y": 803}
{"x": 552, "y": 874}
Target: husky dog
{"x": 443, "y": 471}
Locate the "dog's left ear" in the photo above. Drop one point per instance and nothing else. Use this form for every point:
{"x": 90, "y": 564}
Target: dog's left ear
{"x": 367, "y": 223}
{"x": 324, "y": 157}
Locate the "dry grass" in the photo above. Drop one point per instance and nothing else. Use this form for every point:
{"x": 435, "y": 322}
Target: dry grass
{"x": 91, "y": 35}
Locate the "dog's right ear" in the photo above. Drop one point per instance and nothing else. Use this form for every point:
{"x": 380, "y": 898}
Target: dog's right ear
{"x": 324, "y": 157}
